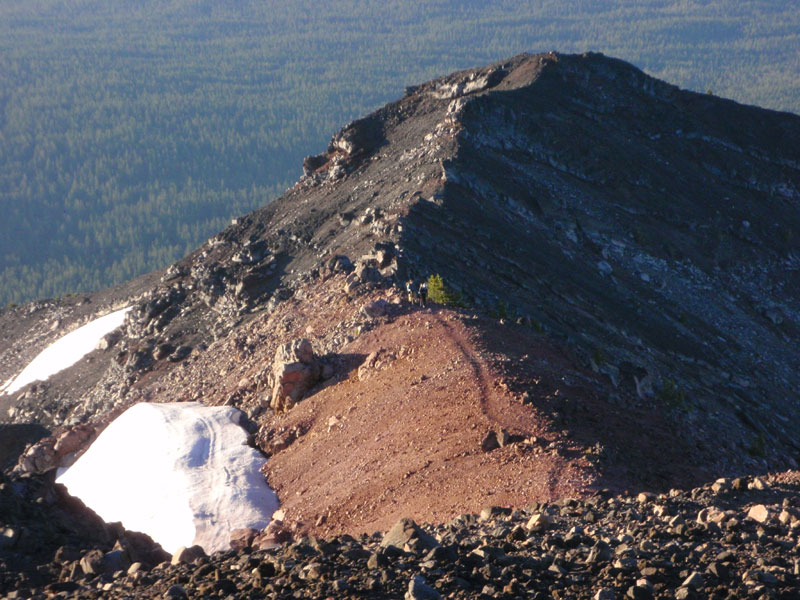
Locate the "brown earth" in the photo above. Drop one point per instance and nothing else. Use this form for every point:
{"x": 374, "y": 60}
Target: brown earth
{"x": 403, "y": 437}
{"x": 397, "y": 430}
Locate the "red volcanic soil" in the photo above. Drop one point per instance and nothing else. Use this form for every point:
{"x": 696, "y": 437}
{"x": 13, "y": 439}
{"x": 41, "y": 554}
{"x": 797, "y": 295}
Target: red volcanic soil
{"x": 397, "y": 430}
{"x": 401, "y": 435}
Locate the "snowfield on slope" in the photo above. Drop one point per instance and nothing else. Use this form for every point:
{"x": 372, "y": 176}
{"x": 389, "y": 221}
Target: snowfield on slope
{"x": 180, "y": 472}
{"x": 66, "y": 351}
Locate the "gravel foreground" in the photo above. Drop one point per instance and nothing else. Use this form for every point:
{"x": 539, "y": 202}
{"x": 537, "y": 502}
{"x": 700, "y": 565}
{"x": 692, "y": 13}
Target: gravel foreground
{"x": 735, "y": 538}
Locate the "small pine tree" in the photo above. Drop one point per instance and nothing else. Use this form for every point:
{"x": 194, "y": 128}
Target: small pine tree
{"x": 440, "y": 293}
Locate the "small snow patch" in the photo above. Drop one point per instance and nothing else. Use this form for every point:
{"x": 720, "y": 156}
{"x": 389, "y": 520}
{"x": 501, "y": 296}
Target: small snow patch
{"x": 66, "y": 351}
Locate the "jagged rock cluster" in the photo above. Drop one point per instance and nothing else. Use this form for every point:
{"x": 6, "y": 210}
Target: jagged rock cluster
{"x": 730, "y": 539}
{"x": 48, "y": 538}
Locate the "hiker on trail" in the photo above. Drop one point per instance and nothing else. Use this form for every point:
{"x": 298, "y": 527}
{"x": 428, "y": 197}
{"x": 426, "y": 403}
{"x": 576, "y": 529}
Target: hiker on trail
{"x": 410, "y": 291}
{"x": 423, "y": 293}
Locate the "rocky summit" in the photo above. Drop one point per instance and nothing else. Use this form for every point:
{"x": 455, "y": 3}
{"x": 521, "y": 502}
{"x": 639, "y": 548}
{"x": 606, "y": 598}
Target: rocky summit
{"x": 614, "y": 319}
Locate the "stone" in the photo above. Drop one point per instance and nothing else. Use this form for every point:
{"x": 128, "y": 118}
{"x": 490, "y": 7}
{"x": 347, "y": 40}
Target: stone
{"x": 600, "y": 552}
{"x": 294, "y": 371}
{"x": 180, "y": 353}
{"x": 661, "y": 511}
{"x": 242, "y": 538}
{"x": 274, "y": 535}
{"x": 162, "y": 351}
{"x": 718, "y": 570}
{"x": 758, "y": 484}
{"x": 637, "y": 592}
{"x": 8, "y": 537}
{"x": 375, "y": 309}
{"x": 604, "y": 594}
{"x": 187, "y": 555}
{"x": 539, "y": 522}
{"x": 759, "y": 513}
{"x": 376, "y": 560}
{"x": 116, "y": 560}
{"x": 405, "y": 531}
{"x": 418, "y": 589}
{"x": 92, "y": 562}
{"x": 710, "y": 514}
{"x": 176, "y": 592}
{"x": 683, "y": 593}
{"x": 340, "y": 264}
{"x": 722, "y": 485}
{"x": 368, "y": 274}
{"x": 694, "y": 581}
{"x": 371, "y": 363}
{"x": 503, "y": 438}
{"x": 72, "y": 440}
{"x": 493, "y": 512}
{"x": 490, "y": 442}
{"x": 352, "y": 283}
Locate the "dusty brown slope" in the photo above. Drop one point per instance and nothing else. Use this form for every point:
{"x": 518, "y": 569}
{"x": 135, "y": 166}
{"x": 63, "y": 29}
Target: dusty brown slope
{"x": 397, "y": 430}
{"x": 403, "y": 437}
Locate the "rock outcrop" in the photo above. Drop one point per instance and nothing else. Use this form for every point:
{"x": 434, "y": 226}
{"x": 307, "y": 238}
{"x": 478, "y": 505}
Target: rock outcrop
{"x": 295, "y": 370}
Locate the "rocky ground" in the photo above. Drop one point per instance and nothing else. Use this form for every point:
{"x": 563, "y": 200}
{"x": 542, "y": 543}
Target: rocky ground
{"x": 735, "y": 538}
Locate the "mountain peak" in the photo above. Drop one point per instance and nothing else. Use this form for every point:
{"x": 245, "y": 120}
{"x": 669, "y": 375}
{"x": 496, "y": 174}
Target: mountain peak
{"x": 627, "y": 252}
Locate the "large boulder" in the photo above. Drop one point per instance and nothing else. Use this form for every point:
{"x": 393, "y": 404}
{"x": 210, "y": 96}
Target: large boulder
{"x": 295, "y": 370}
{"x": 53, "y": 451}
{"x": 406, "y": 532}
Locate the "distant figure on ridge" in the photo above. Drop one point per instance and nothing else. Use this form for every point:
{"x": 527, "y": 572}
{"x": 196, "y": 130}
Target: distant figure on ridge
{"x": 423, "y": 293}
{"x": 410, "y": 291}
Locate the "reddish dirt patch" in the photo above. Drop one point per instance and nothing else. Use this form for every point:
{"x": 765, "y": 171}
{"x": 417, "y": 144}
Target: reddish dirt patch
{"x": 405, "y": 438}
{"x": 402, "y": 437}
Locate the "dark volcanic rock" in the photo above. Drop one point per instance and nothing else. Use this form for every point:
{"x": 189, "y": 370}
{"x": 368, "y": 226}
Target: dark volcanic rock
{"x": 613, "y": 556}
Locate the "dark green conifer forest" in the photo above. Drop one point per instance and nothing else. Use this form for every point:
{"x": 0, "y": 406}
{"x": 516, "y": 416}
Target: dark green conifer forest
{"x": 131, "y": 131}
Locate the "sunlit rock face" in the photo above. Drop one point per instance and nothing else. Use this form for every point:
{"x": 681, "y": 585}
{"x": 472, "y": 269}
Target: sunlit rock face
{"x": 180, "y": 472}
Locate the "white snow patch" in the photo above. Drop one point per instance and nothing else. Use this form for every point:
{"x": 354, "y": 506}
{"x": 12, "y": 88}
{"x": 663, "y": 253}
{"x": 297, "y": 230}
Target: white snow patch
{"x": 180, "y": 472}
{"x": 66, "y": 351}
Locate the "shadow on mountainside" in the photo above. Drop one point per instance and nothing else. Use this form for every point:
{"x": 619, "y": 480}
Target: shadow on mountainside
{"x": 633, "y": 442}
{"x": 14, "y": 439}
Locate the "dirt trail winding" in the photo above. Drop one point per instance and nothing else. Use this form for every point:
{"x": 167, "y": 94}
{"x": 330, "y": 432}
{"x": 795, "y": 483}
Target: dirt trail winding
{"x": 404, "y": 438}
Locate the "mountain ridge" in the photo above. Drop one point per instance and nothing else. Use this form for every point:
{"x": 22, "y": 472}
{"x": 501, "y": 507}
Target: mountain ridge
{"x": 641, "y": 233}
{"x": 626, "y": 260}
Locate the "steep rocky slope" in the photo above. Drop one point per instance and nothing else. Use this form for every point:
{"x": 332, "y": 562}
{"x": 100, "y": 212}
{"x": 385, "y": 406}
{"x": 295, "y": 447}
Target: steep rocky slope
{"x": 627, "y": 252}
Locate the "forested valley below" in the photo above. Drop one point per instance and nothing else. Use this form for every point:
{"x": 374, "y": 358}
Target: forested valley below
{"x": 132, "y": 131}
